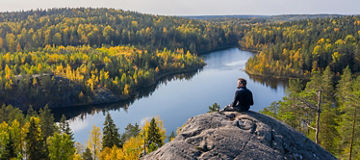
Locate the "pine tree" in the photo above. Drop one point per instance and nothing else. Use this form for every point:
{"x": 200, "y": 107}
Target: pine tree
{"x": 62, "y": 123}
{"x": 154, "y": 138}
{"x": 343, "y": 88}
{"x": 327, "y": 85}
{"x": 47, "y": 124}
{"x": 130, "y": 131}
{"x": 355, "y": 129}
{"x": 35, "y": 144}
{"x": 272, "y": 110}
{"x": 172, "y": 136}
{"x": 310, "y": 102}
{"x": 30, "y": 112}
{"x": 214, "y": 108}
{"x": 111, "y": 134}
{"x": 61, "y": 147}
{"x": 9, "y": 150}
{"x": 315, "y": 82}
{"x": 65, "y": 127}
{"x": 328, "y": 135}
{"x": 87, "y": 155}
{"x": 10, "y": 113}
{"x": 350, "y": 111}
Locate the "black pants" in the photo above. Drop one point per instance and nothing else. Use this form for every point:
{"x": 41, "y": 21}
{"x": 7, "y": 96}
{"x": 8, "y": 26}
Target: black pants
{"x": 237, "y": 108}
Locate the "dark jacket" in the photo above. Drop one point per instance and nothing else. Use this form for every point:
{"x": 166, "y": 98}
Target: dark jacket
{"x": 243, "y": 99}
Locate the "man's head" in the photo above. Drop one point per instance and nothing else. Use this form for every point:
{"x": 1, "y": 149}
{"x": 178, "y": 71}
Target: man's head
{"x": 241, "y": 83}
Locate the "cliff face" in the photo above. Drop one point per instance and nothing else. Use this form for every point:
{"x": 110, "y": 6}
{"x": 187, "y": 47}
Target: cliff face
{"x": 233, "y": 135}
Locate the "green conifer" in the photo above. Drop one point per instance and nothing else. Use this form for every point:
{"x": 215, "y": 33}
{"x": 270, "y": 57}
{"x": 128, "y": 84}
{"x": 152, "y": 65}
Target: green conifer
{"x": 154, "y": 138}
{"x": 47, "y": 124}
{"x": 111, "y": 135}
{"x": 35, "y": 144}
{"x": 61, "y": 147}
{"x": 65, "y": 127}
{"x": 172, "y": 136}
{"x": 9, "y": 150}
{"x": 130, "y": 131}
{"x": 87, "y": 155}
{"x": 214, "y": 108}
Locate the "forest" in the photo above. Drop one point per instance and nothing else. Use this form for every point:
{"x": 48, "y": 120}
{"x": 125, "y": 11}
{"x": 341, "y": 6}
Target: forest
{"x": 78, "y": 75}
{"x": 325, "y": 109}
{"x": 325, "y": 54}
{"x": 297, "y": 48}
{"x": 29, "y": 30}
{"x": 35, "y": 136}
{"x": 73, "y": 56}
{"x": 287, "y": 48}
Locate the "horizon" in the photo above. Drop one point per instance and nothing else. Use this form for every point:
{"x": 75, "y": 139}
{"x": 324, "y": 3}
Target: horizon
{"x": 190, "y": 15}
{"x": 197, "y": 7}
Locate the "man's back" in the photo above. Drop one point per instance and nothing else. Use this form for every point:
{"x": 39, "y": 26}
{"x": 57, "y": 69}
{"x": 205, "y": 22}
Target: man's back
{"x": 243, "y": 99}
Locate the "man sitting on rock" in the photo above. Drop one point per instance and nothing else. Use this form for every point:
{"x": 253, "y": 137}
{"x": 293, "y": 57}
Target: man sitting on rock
{"x": 243, "y": 98}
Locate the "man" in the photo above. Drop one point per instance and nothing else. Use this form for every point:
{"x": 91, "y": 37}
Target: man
{"x": 243, "y": 98}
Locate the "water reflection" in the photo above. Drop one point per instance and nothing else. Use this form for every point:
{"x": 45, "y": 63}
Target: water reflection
{"x": 83, "y": 111}
{"x": 270, "y": 82}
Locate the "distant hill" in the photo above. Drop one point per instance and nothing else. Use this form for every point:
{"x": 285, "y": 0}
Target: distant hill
{"x": 265, "y": 18}
{"x": 30, "y": 30}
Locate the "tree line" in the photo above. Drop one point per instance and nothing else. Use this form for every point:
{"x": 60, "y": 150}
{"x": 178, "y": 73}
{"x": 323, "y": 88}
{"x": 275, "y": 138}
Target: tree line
{"x": 30, "y": 30}
{"x": 35, "y": 136}
{"x": 297, "y": 48}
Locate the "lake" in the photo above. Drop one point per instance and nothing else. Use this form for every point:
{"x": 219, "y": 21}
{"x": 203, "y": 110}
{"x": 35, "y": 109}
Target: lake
{"x": 177, "y": 99}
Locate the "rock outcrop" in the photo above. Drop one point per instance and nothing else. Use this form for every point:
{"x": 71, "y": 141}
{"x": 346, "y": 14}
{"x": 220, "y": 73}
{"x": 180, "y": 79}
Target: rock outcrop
{"x": 233, "y": 135}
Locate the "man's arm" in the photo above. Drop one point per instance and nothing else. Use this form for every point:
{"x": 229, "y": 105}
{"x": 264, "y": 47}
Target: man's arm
{"x": 235, "y": 99}
{"x": 251, "y": 99}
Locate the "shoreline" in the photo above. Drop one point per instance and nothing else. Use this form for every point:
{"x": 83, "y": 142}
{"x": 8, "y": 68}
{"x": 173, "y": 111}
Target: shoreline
{"x": 275, "y": 76}
{"x": 124, "y": 98}
{"x": 255, "y": 51}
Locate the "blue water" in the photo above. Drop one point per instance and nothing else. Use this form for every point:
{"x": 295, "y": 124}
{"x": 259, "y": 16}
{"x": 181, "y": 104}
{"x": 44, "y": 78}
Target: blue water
{"x": 177, "y": 100}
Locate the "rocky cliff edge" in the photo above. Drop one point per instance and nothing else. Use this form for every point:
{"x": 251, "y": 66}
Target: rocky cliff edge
{"x": 233, "y": 135}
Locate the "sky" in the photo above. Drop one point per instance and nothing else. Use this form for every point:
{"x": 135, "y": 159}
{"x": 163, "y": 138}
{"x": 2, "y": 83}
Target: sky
{"x": 199, "y": 7}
